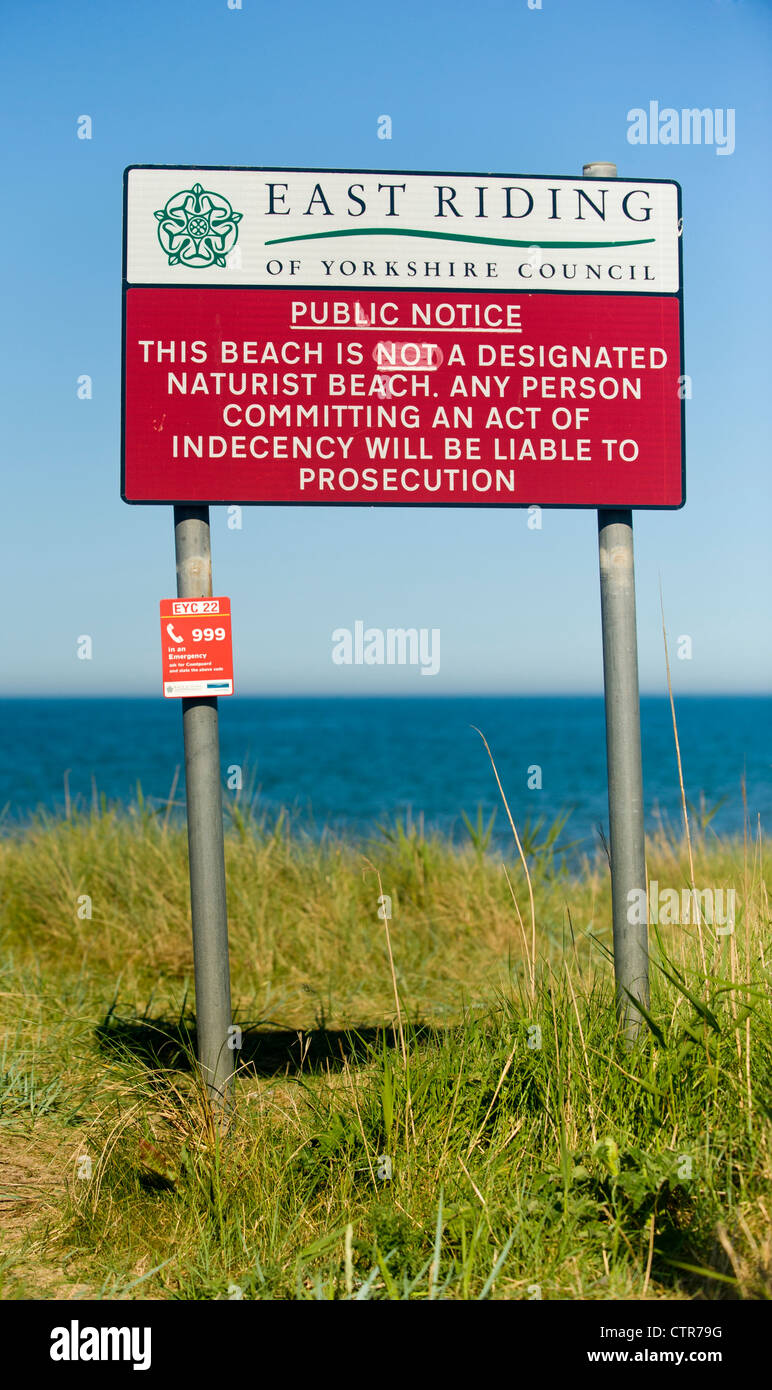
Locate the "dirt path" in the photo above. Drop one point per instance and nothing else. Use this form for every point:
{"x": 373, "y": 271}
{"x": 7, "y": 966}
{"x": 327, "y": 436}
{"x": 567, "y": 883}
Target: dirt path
{"x": 35, "y": 1167}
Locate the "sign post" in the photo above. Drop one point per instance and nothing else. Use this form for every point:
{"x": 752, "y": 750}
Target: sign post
{"x": 623, "y": 757}
{"x": 623, "y": 746}
{"x": 206, "y": 846}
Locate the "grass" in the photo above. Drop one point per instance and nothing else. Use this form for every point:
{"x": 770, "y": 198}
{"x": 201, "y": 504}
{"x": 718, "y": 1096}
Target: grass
{"x": 426, "y": 1106}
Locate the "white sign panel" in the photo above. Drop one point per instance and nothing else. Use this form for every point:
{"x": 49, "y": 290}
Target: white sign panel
{"x": 400, "y": 231}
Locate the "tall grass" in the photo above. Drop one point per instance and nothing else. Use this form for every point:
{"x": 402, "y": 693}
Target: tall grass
{"x": 432, "y": 1104}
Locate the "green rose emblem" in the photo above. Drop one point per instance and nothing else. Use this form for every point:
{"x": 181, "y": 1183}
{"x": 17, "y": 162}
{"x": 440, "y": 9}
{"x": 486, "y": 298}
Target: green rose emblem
{"x": 197, "y": 228}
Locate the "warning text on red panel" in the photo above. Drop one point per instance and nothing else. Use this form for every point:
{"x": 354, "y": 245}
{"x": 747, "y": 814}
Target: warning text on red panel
{"x": 251, "y": 395}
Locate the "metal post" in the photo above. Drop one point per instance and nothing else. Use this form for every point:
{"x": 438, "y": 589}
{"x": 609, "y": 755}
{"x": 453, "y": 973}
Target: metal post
{"x": 623, "y": 749}
{"x": 206, "y": 847}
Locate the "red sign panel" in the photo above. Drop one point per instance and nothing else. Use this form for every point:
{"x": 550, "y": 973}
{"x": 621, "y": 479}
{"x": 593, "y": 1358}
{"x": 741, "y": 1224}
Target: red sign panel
{"x": 196, "y": 647}
{"x": 426, "y": 397}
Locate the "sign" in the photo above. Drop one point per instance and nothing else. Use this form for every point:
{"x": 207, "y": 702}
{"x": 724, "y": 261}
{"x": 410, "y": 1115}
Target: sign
{"x": 328, "y": 337}
{"x": 196, "y": 647}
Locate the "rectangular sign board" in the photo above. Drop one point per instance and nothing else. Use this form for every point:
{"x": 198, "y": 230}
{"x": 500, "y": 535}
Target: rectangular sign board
{"x": 196, "y": 646}
{"x": 372, "y": 338}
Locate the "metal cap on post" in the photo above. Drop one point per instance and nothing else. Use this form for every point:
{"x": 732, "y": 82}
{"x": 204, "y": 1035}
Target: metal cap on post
{"x": 599, "y": 170}
{"x": 623, "y": 747}
{"x": 206, "y": 844}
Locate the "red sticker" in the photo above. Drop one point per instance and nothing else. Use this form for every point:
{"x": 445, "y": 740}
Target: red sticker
{"x": 196, "y": 646}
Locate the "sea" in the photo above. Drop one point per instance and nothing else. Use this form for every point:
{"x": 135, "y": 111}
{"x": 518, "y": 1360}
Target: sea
{"x": 354, "y": 766}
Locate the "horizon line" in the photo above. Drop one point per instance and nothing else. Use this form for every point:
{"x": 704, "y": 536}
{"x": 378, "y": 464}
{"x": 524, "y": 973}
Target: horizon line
{"x": 391, "y": 695}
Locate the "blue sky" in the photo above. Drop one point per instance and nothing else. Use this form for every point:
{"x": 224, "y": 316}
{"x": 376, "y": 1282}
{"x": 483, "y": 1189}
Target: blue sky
{"x": 494, "y": 86}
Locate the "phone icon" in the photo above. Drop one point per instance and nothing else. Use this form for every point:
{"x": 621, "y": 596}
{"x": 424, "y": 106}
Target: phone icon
{"x": 173, "y": 634}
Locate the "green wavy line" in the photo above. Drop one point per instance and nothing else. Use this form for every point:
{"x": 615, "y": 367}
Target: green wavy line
{"x": 453, "y": 236}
